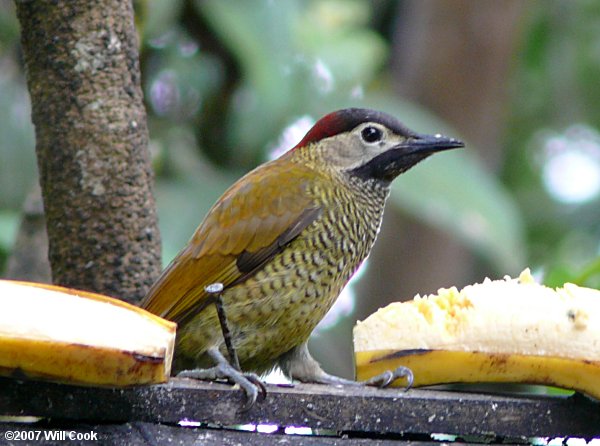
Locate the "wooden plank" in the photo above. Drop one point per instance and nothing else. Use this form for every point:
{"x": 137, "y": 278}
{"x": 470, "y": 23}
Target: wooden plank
{"x": 347, "y": 409}
{"x": 147, "y": 434}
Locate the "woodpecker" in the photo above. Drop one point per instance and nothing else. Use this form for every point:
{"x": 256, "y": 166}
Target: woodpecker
{"x": 279, "y": 246}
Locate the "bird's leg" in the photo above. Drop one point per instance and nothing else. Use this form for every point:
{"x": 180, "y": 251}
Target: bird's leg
{"x": 215, "y": 290}
{"x": 249, "y": 382}
{"x": 299, "y": 364}
{"x": 223, "y": 369}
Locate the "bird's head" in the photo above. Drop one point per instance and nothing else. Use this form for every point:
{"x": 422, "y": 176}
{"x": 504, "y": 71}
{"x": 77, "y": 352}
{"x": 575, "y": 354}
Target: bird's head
{"x": 371, "y": 145}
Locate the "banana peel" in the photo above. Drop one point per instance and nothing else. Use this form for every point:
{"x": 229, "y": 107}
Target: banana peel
{"x": 511, "y": 331}
{"x": 77, "y": 337}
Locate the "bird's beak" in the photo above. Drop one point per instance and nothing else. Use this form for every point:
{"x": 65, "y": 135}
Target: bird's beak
{"x": 388, "y": 165}
{"x": 427, "y": 144}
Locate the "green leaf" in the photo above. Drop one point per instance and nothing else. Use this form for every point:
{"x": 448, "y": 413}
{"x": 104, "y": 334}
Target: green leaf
{"x": 9, "y": 225}
{"x": 182, "y": 205}
{"x": 18, "y": 169}
{"x": 590, "y": 274}
{"x": 454, "y": 192}
{"x": 258, "y": 35}
{"x": 155, "y": 18}
{"x": 184, "y": 196}
{"x": 558, "y": 275}
{"x": 291, "y": 55}
{"x": 353, "y": 57}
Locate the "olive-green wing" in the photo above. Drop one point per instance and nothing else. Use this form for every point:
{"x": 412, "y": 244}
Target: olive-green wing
{"x": 251, "y": 223}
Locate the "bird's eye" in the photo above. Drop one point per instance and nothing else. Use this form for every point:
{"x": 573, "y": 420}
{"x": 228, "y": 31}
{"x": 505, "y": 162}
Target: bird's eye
{"x": 371, "y": 134}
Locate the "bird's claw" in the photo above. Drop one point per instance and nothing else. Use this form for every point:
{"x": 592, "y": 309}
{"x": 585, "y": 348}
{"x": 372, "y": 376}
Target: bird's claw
{"x": 250, "y": 383}
{"x": 255, "y": 379}
{"x": 386, "y": 378}
{"x": 253, "y": 387}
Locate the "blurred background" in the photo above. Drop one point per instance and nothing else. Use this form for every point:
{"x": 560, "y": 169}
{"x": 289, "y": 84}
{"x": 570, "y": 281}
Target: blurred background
{"x": 230, "y": 84}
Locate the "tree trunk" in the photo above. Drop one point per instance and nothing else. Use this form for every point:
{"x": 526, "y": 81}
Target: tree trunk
{"x": 83, "y": 76}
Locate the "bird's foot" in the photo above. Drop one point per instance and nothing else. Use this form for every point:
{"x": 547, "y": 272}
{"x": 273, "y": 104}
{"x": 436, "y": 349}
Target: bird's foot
{"x": 300, "y": 365}
{"x": 389, "y": 376}
{"x": 250, "y": 383}
{"x": 382, "y": 380}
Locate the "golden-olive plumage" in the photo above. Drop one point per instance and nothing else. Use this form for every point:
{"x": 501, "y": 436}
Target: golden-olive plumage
{"x": 285, "y": 239}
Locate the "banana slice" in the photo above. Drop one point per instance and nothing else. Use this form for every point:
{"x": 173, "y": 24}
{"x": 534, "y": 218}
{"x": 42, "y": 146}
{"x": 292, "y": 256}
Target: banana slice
{"x": 511, "y": 330}
{"x": 78, "y": 337}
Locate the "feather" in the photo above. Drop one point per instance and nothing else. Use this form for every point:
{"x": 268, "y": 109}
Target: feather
{"x": 251, "y": 223}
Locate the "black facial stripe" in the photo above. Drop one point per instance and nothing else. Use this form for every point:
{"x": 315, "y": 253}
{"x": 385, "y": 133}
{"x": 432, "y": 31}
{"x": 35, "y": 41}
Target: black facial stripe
{"x": 388, "y": 165}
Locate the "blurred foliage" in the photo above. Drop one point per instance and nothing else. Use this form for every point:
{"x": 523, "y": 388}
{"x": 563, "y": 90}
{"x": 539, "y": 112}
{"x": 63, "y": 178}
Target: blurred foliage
{"x": 267, "y": 64}
{"x": 554, "y": 88}
{"x": 17, "y": 156}
{"x": 226, "y": 80}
